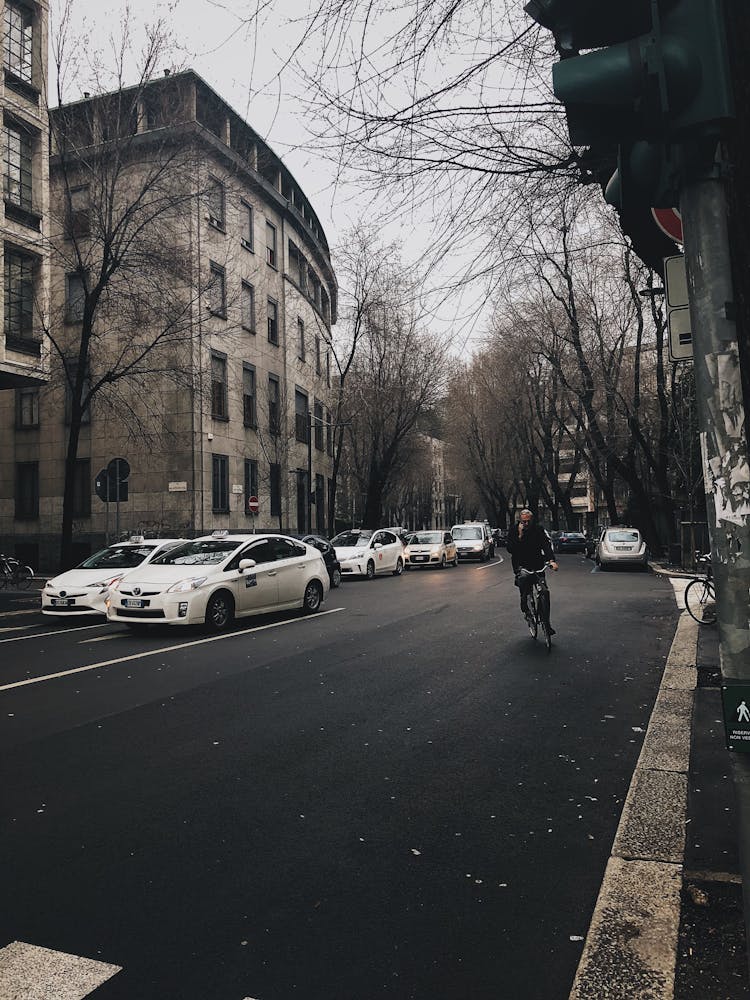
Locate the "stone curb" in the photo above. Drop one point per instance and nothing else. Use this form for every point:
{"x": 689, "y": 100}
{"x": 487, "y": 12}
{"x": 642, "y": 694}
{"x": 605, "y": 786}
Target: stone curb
{"x": 631, "y": 946}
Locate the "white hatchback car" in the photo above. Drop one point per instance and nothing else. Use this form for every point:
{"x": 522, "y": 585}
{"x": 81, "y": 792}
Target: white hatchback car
{"x": 214, "y": 579}
{"x": 83, "y": 590}
{"x": 363, "y": 552}
{"x": 430, "y": 548}
{"x": 621, "y": 547}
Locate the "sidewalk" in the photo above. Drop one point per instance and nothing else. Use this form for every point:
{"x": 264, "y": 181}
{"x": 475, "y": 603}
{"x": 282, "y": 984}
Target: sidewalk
{"x": 668, "y": 923}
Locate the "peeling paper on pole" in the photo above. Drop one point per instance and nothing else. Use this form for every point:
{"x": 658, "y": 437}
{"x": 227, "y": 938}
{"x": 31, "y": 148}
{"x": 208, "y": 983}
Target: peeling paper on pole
{"x": 724, "y": 446}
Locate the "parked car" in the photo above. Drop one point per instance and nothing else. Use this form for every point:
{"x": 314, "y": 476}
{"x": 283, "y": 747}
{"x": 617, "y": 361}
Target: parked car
{"x": 83, "y": 590}
{"x": 214, "y": 579}
{"x": 621, "y": 547}
{"x": 473, "y": 540}
{"x": 570, "y": 541}
{"x": 363, "y": 552}
{"x": 327, "y": 551}
{"x": 430, "y": 548}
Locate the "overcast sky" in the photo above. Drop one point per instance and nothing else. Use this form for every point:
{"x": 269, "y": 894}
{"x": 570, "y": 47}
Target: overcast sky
{"x": 249, "y": 69}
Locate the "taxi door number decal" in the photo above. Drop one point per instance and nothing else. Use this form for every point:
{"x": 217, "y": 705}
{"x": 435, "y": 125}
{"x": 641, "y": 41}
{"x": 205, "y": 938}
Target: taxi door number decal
{"x": 251, "y": 580}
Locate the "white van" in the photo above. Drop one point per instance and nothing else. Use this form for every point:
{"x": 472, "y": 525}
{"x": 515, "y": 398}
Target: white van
{"x": 473, "y": 540}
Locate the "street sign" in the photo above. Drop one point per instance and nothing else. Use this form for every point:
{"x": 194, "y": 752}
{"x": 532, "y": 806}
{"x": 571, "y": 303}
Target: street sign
{"x": 678, "y": 310}
{"x": 735, "y": 699}
{"x": 253, "y": 505}
{"x": 119, "y": 468}
{"x": 669, "y": 221}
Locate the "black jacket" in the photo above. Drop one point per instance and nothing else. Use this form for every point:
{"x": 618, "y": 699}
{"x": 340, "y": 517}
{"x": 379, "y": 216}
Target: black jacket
{"x": 532, "y": 550}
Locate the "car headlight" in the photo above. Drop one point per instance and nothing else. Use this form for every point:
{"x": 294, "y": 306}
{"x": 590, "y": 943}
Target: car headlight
{"x": 109, "y": 582}
{"x": 477, "y": 548}
{"x": 435, "y": 550}
{"x": 407, "y": 551}
{"x": 185, "y": 585}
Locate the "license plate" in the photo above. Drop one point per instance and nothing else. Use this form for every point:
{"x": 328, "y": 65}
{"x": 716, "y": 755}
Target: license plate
{"x": 420, "y": 558}
{"x": 623, "y": 548}
{"x": 62, "y": 602}
{"x": 133, "y": 603}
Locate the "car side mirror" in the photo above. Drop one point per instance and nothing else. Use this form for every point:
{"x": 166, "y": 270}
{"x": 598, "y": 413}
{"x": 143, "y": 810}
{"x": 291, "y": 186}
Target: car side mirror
{"x": 247, "y": 564}
{"x": 378, "y": 545}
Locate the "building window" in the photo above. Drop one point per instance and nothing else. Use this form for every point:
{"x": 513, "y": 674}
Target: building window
{"x": 318, "y": 425}
{"x": 27, "y": 407}
{"x": 217, "y": 291}
{"x": 19, "y": 27}
{"x": 219, "y": 406}
{"x": 274, "y": 410}
{"x": 220, "y": 484}
{"x": 273, "y": 322}
{"x": 75, "y": 298}
{"x": 274, "y": 472}
{"x": 328, "y": 369}
{"x": 27, "y": 491}
{"x": 329, "y": 433}
{"x": 77, "y": 220}
{"x": 82, "y": 488}
{"x": 301, "y": 338}
{"x": 248, "y": 306}
{"x": 216, "y": 201}
{"x": 71, "y": 375}
{"x": 249, "y": 410}
{"x": 297, "y": 266}
{"x": 19, "y": 295}
{"x": 18, "y": 151}
{"x": 247, "y": 223}
{"x": 320, "y": 503}
{"x": 317, "y": 355}
{"x": 251, "y": 480}
{"x": 271, "y": 244}
{"x": 300, "y": 416}
{"x": 325, "y": 306}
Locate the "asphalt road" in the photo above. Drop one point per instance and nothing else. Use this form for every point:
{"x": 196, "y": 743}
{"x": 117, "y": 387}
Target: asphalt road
{"x": 402, "y": 797}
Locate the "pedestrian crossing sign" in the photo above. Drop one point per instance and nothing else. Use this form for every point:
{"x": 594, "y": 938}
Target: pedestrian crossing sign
{"x": 735, "y": 699}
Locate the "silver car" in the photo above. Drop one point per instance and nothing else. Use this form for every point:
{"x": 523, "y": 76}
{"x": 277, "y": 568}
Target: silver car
{"x": 430, "y": 548}
{"x": 621, "y": 547}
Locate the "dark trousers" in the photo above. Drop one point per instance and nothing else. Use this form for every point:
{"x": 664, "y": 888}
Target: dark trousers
{"x": 525, "y": 583}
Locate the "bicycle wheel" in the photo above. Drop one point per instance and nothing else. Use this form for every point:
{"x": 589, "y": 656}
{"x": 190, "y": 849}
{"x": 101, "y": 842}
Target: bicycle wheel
{"x": 3, "y": 579}
{"x": 532, "y": 617}
{"x": 23, "y": 577}
{"x": 543, "y": 607}
{"x": 700, "y": 601}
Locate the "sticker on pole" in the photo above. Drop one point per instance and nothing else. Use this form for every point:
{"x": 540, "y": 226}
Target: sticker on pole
{"x": 735, "y": 699}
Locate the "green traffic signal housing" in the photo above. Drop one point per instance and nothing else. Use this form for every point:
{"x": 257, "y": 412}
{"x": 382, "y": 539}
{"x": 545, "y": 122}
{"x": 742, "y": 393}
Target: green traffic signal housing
{"x": 590, "y": 24}
{"x": 667, "y": 84}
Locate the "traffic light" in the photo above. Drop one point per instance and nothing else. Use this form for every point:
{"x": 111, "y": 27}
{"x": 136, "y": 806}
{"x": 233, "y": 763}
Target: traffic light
{"x": 660, "y": 71}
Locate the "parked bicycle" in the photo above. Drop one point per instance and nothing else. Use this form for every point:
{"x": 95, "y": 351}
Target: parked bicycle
{"x": 14, "y": 574}
{"x": 700, "y": 594}
{"x": 538, "y": 604}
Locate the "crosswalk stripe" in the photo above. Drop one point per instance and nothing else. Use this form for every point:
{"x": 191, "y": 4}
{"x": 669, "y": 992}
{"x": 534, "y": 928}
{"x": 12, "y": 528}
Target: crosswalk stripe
{"x": 35, "y": 973}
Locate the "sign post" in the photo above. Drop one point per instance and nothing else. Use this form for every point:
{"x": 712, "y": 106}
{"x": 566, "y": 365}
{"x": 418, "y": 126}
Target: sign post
{"x": 253, "y": 506}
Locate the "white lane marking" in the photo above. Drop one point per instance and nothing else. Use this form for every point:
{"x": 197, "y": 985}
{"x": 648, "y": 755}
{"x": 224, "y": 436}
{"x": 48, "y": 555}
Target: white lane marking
{"x": 489, "y": 565}
{"x": 43, "y": 635}
{"x": 18, "y": 628}
{"x": 12, "y": 614}
{"x": 159, "y": 651}
{"x": 34, "y": 973}
{"x": 100, "y": 638}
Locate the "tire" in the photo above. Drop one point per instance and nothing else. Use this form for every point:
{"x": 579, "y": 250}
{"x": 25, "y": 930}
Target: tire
{"x": 700, "y": 601}
{"x": 455, "y": 561}
{"x": 443, "y": 561}
{"x": 336, "y": 578}
{"x": 3, "y": 580}
{"x": 23, "y": 577}
{"x": 543, "y": 608}
{"x": 312, "y": 598}
{"x": 370, "y": 571}
{"x": 532, "y": 621}
{"x": 219, "y": 611}
{"x": 399, "y": 567}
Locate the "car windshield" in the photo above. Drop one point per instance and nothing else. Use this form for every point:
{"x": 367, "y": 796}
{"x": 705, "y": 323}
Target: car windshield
{"x": 118, "y": 557}
{"x": 622, "y": 536}
{"x": 198, "y": 553}
{"x": 426, "y": 538}
{"x": 352, "y": 539}
{"x": 463, "y": 533}
{"x": 575, "y": 535}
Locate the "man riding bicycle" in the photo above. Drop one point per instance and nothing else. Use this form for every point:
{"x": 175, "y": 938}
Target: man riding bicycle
{"x": 530, "y": 549}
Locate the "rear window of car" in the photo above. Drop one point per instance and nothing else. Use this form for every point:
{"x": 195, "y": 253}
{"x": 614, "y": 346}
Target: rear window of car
{"x": 623, "y": 536}
{"x": 466, "y": 533}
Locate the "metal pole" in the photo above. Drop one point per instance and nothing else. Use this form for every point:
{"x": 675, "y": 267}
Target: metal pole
{"x": 309, "y": 470}
{"x": 117, "y": 500}
{"x": 724, "y": 448}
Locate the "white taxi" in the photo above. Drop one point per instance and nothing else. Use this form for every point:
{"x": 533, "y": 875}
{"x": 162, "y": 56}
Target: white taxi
{"x": 214, "y": 579}
{"x": 83, "y": 590}
{"x": 430, "y": 548}
{"x": 363, "y": 552}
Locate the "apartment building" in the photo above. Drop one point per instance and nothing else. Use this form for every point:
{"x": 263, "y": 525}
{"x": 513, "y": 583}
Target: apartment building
{"x": 25, "y": 223}
{"x": 209, "y": 367}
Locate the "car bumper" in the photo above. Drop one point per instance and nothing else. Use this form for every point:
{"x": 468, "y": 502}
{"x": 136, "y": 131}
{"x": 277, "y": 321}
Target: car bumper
{"x": 86, "y": 603}
{"x": 471, "y": 554}
{"x": 623, "y": 558}
{"x": 164, "y": 609}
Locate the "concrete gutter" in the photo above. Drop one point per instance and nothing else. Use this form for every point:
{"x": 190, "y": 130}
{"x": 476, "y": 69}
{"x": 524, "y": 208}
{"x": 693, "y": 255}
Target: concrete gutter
{"x": 631, "y": 946}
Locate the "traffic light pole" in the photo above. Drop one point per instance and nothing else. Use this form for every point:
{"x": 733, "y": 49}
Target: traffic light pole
{"x": 724, "y": 448}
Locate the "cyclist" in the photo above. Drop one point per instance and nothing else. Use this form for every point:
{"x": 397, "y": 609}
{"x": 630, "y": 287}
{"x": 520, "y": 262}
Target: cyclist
{"x": 530, "y": 548}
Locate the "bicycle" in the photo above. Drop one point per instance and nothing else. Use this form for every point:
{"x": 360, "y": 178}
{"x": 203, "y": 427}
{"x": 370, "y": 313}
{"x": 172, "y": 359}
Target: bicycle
{"x": 538, "y": 603}
{"x": 700, "y": 594}
{"x": 13, "y": 573}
